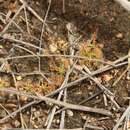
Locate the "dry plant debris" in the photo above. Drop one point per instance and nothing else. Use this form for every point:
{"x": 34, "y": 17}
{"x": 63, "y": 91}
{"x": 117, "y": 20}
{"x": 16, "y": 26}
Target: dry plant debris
{"x": 55, "y": 69}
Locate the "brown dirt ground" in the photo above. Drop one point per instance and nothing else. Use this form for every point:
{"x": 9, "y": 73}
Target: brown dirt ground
{"x": 106, "y": 18}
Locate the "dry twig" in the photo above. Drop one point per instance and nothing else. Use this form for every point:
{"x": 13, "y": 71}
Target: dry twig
{"x": 127, "y": 112}
{"x": 93, "y": 73}
{"x": 59, "y": 103}
{"x": 10, "y": 22}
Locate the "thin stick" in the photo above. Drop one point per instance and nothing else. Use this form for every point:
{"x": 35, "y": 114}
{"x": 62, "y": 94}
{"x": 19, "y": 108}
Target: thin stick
{"x": 128, "y": 67}
{"x": 23, "y": 48}
{"x": 35, "y": 102}
{"x": 4, "y": 22}
{"x": 108, "y": 93}
{"x": 125, "y": 4}
{"x": 105, "y": 100}
{"x": 59, "y": 103}
{"x": 57, "y": 55}
{"x": 106, "y": 68}
{"x": 17, "y": 111}
{"x": 35, "y": 14}
{"x": 7, "y": 26}
{"x": 27, "y": 74}
{"x": 102, "y": 87}
{"x": 41, "y": 37}
{"x": 120, "y": 77}
{"x": 62, "y": 122}
{"x": 5, "y": 61}
{"x": 20, "y": 29}
{"x": 92, "y": 127}
{"x": 26, "y": 19}
{"x": 127, "y": 70}
{"x": 63, "y": 8}
{"x": 6, "y": 110}
{"x": 39, "y": 73}
{"x": 127, "y": 111}
{"x": 69, "y": 71}
{"x": 71, "y": 40}
{"x": 91, "y": 97}
{"x": 18, "y": 98}
{"x": 20, "y": 41}
{"x": 42, "y": 74}
{"x": 82, "y": 102}
{"x": 31, "y": 115}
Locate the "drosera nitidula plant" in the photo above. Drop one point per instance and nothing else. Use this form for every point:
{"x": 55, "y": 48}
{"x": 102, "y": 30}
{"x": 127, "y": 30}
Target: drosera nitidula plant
{"x": 91, "y": 49}
{"x": 4, "y": 82}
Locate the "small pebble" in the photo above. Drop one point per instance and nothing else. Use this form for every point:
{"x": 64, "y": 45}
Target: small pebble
{"x": 119, "y": 35}
{"x": 35, "y": 126}
{"x": 19, "y": 78}
{"x": 84, "y": 117}
{"x": 23, "y": 98}
{"x": 53, "y": 48}
{"x": 12, "y": 96}
{"x": 17, "y": 123}
{"x": 107, "y": 77}
{"x": 57, "y": 121}
{"x": 49, "y": 103}
{"x": 37, "y": 113}
{"x": 81, "y": 1}
{"x": 33, "y": 109}
{"x": 28, "y": 113}
{"x": 2, "y": 113}
{"x": 70, "y": 113}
